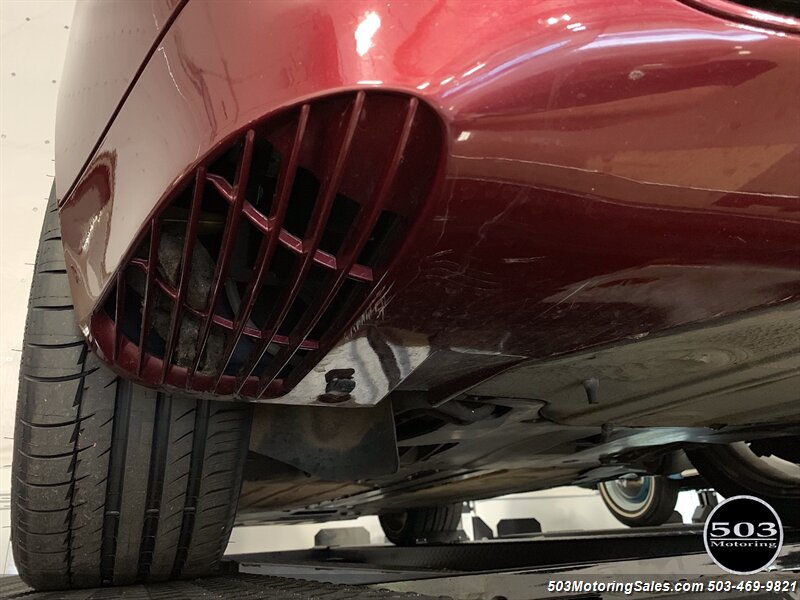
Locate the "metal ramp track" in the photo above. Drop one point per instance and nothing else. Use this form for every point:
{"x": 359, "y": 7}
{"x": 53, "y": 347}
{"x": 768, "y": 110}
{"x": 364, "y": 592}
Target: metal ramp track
{"x": 515, "y": 569}
{"x": 233, "y": 587}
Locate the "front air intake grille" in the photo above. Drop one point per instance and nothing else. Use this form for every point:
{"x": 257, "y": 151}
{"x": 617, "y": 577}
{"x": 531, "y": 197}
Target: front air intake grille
{"x": 289, "y": 228}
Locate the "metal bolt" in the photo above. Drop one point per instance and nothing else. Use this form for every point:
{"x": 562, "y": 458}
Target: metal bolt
{"x": 592, "y": 387}
{"x": 339, "y": 384}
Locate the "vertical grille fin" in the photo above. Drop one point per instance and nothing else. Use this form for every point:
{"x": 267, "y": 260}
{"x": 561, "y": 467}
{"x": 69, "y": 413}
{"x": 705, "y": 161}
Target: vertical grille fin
{"x": 232, "y": 223}
{"x": 149, "y": 290}
{"x": 186, "y": 267}
{"x": 119, "y": 307}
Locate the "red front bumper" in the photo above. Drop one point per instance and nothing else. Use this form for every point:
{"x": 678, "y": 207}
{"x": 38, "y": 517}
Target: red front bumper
{"x": 611, "y": 169}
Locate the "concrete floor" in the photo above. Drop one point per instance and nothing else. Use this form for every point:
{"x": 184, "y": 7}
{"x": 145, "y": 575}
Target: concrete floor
{"x": 33, "y": 39}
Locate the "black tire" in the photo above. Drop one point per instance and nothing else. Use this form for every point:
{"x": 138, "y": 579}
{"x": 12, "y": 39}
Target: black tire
{"x": 430, "y": 524}
{"x": 650, "y": 504}
{"x": 733, "y": 472}
{"x": 112, "y": 483}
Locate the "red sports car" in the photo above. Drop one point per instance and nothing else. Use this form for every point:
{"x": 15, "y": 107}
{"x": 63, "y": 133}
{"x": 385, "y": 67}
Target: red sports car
{"x": 308, "y": 260}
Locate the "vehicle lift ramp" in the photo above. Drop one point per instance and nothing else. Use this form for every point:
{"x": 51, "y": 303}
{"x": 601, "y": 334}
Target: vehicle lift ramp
{"x": 503, "y": 569}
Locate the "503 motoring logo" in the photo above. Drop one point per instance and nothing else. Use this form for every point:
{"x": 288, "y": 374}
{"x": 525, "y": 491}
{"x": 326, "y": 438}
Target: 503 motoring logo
{"x": 743, "y": 535}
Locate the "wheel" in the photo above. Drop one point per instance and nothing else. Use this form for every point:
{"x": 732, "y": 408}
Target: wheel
{"x": 112, "y": 483}
{"x": 639, "y": 501}
{"x": 767, "y": 469}
{"x": 431, "y": 524}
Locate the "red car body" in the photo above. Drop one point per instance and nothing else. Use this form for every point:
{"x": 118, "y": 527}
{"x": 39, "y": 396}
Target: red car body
{"x": 611, "y": 192}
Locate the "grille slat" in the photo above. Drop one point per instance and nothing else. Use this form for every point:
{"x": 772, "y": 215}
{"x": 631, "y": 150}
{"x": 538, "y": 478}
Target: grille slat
{"x": 268, "y": 243}
{"x": 119, "y": 311}
{"x": 348, "y": 254}
{"x": 322, "y": 209}
{"x": 231, "y": 224}
{"x": 223, "y": 187}
{"x": 149, "y": 289}
{"x": 186, "y": 266}
{"x": 253, "y": 268}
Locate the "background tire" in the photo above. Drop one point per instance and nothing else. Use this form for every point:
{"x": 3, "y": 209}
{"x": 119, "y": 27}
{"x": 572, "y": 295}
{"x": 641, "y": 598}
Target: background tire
{"x": 641, "y": 502}
{"x": 733, "y": 470}
{"x": 112, "y": 483}
{"x": 432, "y": 524}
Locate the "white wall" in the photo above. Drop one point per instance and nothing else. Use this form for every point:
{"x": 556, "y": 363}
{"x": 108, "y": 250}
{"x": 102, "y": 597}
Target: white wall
{"x": 33, "y": 39}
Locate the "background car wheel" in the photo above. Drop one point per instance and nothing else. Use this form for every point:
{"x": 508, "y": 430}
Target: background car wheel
{"x": 767, "y": 469}
{"x": 111, "y": 483}
{"x": 432, "y": 524}
{"x": 640, "y": 501}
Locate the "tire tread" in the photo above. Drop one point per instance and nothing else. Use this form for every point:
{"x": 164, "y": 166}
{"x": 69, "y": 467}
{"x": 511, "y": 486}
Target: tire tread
{"x": 111, "y": 483}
